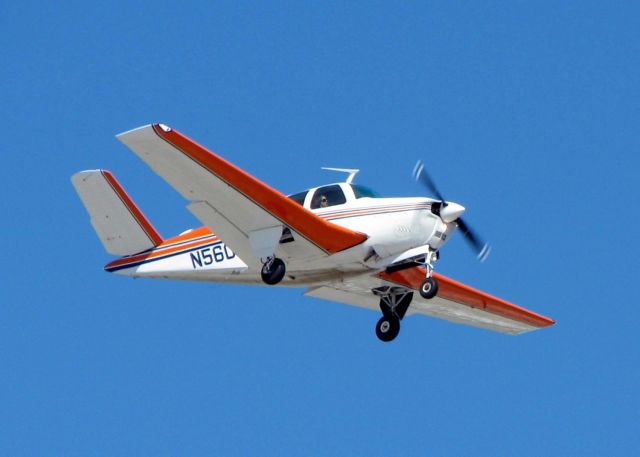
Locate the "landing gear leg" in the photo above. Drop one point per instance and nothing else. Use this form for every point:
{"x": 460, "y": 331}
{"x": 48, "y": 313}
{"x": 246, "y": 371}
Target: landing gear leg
{"x": 429, "y": 287}
{"x": 273, "y": 271}
{"x": 394, "y": 303}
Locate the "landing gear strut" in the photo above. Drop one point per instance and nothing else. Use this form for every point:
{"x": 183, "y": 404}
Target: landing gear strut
{"x": 394, "y": 303}
{"x": 273, "y": 271}
{"x": 429, "y": 287}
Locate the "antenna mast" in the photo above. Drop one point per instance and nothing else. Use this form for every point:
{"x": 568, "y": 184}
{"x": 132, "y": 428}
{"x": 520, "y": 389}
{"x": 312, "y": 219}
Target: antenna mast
{"x": 352, "y": 172}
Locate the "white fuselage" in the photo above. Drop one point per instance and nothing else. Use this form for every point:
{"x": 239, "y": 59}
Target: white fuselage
{"x": 393, "y": 225}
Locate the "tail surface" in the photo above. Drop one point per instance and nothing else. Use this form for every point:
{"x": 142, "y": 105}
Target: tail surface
{"x": 119, "y": 223}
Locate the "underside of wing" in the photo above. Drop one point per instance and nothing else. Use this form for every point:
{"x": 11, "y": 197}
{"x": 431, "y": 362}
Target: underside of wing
{"x": 247, "y": 214}
{"x": 455, "y": 301}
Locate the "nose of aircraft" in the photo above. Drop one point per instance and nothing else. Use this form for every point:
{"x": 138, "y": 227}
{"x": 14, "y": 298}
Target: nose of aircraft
{"x": 451, "y": 212}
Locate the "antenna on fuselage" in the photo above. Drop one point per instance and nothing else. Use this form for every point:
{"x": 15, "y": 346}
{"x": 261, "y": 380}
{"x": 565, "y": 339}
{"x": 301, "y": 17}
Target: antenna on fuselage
{"x": 352, "y": 172}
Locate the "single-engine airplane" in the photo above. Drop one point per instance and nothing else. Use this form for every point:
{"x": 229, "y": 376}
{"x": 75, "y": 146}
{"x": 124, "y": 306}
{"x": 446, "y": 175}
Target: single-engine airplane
{"x": 342, "y": 242}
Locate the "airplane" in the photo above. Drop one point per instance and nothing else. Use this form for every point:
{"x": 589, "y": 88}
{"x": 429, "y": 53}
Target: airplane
{"x": 341, "y": 242}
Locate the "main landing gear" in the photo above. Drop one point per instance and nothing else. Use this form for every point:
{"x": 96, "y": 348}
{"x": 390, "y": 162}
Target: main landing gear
{"x": 394, "y": 303}
{"x": 273, "y": 271}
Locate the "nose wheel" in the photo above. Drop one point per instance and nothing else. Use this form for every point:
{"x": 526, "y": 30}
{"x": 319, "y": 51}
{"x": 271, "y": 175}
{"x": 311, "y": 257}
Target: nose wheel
{"x": 428, "y": 288}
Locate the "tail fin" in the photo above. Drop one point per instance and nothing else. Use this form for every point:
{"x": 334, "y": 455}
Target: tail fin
{"x": 120, "y": 225}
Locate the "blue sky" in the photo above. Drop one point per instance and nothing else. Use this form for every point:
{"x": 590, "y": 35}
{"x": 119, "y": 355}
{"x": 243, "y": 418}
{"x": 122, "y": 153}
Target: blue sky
{"x": 524, "y": 112}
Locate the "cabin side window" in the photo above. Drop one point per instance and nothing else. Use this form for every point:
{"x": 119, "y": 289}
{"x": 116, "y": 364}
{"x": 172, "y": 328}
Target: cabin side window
{"x": 328, "y": 196}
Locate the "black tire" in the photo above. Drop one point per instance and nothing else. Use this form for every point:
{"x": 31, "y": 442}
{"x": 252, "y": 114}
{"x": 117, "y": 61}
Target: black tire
{"x": 428, "y": 288}
{"x": 388, "y": 328}
{"x": 274, "y": 274}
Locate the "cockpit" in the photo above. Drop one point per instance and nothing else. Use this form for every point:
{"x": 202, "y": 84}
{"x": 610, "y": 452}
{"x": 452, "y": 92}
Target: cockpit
{"x": 332, "y": 195}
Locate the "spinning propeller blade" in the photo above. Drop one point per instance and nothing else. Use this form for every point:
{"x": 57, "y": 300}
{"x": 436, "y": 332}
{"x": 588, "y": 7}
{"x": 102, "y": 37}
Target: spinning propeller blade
{"x": 423, "y": 177}
{"x": 481, "y": 248}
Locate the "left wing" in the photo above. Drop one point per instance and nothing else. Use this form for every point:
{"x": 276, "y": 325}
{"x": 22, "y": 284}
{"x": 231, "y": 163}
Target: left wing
{"x": 455, "y": 301}
{"x": 247, "y": 214}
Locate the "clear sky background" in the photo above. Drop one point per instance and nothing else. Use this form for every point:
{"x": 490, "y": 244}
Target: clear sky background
{"x": 525, "y": 112}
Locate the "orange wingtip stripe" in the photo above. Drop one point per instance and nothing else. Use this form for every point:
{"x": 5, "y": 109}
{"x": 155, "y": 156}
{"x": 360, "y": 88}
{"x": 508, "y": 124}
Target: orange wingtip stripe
{"x": 144, "y": 223}
{"x": 326, "y": 235}
{"x": 461, "y": 293}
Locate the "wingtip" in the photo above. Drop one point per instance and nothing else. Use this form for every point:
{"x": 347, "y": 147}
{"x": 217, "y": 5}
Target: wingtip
{"x": 137, "y": 129}
{"x": 84, "y": 174}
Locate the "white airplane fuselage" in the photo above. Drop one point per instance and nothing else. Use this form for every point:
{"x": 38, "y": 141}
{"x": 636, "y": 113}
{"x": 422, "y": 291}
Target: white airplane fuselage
{"x": 342, "y": 242}
{"x": 397, "y": 228}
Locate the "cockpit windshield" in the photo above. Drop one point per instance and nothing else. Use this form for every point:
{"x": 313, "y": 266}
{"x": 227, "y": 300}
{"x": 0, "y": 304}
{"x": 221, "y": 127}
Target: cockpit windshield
{"x": 364, "y": 191}
{"x": 332, "y": 195}
{"x": 299, "y": 197}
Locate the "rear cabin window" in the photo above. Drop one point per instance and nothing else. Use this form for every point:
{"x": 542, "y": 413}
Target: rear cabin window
{"x": 363, "y": 191}
{"x": 328, "y": 196}
{"x": 299, "y": 197}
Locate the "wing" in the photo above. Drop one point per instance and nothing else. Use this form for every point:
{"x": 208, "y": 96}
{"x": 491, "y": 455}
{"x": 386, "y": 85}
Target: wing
{"x": 248, "y": 215}
{"x": 455, "y": 301}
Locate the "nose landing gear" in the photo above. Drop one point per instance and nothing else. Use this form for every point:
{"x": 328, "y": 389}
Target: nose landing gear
{"x": 429, "y": 287}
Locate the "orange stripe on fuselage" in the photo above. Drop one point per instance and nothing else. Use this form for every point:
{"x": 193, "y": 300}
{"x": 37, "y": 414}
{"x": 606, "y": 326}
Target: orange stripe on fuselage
{"x": 463, "y": 294}
{"x": 329, "y": 237}
{"x": 170, "y": 246}
{"x": 372, "y": 211}
{"x": 144, "y": 223}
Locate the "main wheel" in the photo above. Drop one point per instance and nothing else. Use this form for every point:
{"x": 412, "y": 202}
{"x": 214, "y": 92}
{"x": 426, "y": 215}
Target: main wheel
{"x": 273, "y": 272}
{"x": 388, "y": 328}
{"x": 429, "y": 288}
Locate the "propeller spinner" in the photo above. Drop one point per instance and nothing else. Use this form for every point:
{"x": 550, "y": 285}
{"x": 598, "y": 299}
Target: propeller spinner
{"x": 451, "y": 212}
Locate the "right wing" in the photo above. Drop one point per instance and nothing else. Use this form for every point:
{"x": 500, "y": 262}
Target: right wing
{"x": 455, "y": 301}
{"x": 246, "y": 213}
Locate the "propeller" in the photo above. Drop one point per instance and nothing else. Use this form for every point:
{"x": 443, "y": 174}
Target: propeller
{"x": 451, "y": 212}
